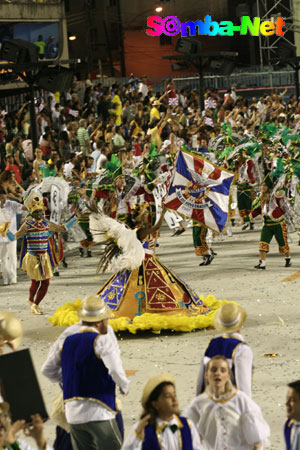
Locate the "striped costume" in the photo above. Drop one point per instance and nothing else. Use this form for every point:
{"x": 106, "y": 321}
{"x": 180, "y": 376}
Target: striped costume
{"x": 36, "y": 257}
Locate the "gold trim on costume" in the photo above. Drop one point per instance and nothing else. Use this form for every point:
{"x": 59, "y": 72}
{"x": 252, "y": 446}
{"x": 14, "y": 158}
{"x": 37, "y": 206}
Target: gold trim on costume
{"x": 264, "y": 246}
{"x": 273, "y": 224}
{"x": 201, "y": 250}
{"x": 234, "y": 350}
{"x": 159, "y": 429}
{"x": 223, "y": 400}
{"x": 175, "y": 296}
{"x": 116, "y": 434}
{"x": 89, "y": 330}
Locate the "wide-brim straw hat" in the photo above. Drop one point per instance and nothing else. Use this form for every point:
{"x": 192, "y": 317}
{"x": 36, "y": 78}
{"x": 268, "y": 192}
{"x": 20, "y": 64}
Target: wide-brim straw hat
{"x": 152, "y": 384}
{"x": 94, "y": 309}
{"x": 230, "y": 318}
{"x": 11, "y": 329}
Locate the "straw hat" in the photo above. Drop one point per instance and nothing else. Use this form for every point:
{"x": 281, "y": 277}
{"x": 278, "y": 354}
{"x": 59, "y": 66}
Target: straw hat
{"x": 230, "y": 317}
{"x": 10, "y": 329}
{"x": 94, "y": 309}
{"x": 152, "y": 384}
{"x": 156, "y": 103}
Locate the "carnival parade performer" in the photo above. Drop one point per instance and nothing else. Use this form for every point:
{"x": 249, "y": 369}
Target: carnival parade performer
{"x": 229, "y": 320}
{"x": 86, "y": 360}
{"x": 273, "y": 207}
{"x": 226, "y": 417}
{"x": 201, "y": 245}
{"x": 161, "y": 426}
{"x": 36, "y": 258}
{"x": 244, "y": 181}
{"x": 143, "y": 293}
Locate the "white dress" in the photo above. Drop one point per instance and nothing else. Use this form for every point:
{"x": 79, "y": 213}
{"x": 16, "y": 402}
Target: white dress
{"x": 231, "y": 422}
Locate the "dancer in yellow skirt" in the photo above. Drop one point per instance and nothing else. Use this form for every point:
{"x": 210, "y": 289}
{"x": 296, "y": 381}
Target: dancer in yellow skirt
{"x": 35, "y": 255}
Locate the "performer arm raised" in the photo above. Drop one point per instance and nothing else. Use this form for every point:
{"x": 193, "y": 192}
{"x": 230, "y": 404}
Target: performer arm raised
{"x": 56, "y": 228}
{"x": 144, "y": 232}
{"x": 22, "y": 230}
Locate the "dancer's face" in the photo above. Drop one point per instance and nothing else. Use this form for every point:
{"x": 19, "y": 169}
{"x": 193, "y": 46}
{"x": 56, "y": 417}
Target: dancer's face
{"x": 217, "y": 374}
{"x": 293, "y": 404}
{"x": 167, "y": 404}
{"x": 38, "y": 214}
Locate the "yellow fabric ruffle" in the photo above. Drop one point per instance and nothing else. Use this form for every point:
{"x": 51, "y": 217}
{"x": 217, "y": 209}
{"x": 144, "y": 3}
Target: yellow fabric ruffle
{"x": 66, "y": 315}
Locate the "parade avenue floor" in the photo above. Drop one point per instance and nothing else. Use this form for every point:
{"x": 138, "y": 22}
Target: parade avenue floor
{"x": 271, "y": 298}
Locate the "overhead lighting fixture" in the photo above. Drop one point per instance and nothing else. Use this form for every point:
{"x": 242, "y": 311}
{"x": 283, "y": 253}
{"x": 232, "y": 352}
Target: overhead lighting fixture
{"x": 72, "y": 37}
{"x": 159, "y": 9}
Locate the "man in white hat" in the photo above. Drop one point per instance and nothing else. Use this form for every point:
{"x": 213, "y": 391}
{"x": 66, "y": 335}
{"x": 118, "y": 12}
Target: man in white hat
{"x": 160, "y": 426}
{"x": 229, "y": 319}
{"x": 86, "y": 360}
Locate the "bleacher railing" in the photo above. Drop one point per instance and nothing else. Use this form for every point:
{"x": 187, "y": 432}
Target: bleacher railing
{"x": 241, "y": 80}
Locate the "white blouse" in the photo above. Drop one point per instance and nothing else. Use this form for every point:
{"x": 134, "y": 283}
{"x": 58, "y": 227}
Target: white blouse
{"x": 169, "y": 440}
{"x": 231, "y": 422}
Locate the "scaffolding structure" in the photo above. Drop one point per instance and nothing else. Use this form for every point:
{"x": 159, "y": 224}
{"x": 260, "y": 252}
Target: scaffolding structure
{"x": 270, "y": 46}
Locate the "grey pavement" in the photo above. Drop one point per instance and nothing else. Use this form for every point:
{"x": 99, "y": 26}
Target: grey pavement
{"x": 273, "y": 308}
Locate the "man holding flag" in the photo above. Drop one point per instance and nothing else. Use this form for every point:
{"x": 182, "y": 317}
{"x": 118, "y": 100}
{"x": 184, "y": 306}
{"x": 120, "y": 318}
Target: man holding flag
{"x": 199, "y": 190}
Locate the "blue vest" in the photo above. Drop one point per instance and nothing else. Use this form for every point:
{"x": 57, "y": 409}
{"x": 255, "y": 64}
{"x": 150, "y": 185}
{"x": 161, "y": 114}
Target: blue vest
{"x": 84, "y": 374}
{"x": 288, "y": 426}
{"x": 151, "y": 441}
{"x": 222, "y": 346}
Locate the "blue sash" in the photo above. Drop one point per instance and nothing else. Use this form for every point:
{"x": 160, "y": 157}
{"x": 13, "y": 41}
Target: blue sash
{"x": 288, "y": 426}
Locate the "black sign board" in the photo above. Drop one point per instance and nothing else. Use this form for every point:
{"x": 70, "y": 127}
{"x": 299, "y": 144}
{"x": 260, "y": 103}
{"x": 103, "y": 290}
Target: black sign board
{"x": 19, "y": 386}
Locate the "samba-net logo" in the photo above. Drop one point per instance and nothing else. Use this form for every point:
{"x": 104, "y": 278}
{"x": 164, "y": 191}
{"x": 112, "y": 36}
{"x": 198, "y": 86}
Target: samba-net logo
{"x": 171, "y": 26}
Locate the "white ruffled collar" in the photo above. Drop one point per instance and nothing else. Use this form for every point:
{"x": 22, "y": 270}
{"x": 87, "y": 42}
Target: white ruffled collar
{"x": 222, "y": 398}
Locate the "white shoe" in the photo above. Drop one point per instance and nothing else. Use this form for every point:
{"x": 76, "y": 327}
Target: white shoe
{"x": 229, "y": 232}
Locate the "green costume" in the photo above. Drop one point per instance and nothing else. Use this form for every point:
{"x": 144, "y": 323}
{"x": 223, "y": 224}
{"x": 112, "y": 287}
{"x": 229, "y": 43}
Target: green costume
{"x": 199, "y": 238}
{"x": 244, "y": 199}
{"x": 278, "y": 230}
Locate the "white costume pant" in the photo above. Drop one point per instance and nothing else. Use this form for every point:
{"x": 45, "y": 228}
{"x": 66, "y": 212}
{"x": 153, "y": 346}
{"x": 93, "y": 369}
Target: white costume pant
{"x": 8, "y": 259}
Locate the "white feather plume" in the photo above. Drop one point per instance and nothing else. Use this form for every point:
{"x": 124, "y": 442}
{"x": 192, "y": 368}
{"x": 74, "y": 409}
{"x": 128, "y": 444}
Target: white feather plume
{"x": 132, "y": 249}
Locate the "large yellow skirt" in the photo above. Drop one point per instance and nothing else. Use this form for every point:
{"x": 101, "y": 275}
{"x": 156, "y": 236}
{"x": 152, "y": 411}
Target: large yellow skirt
{"x": 152, "y": 298}
{"x": 37, "y": 268}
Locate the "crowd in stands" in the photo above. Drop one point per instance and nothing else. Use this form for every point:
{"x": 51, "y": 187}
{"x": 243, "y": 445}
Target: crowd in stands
{"x": 125, "y": 125}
